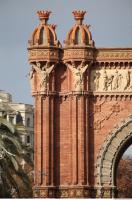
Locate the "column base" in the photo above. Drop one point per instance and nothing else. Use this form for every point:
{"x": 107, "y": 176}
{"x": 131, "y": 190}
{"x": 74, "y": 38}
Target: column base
{"x": 74, "y": 192}
{"x": 62, "y": 192}
{"x": 106, "y": 192}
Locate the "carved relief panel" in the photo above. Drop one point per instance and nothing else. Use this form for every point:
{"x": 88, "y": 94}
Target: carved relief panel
{"x": 111, "y": 80}
{"x": 77, "y": 75}
{"x": 39, "y": 76}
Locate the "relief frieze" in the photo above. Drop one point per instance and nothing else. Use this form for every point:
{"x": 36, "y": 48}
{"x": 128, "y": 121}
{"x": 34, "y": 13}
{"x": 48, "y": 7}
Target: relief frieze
{"x": 111, "y": 80}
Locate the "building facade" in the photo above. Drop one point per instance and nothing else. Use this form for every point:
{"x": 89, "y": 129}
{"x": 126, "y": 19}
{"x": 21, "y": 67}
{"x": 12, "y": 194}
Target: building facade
{"x": 83, "y": 112}
{"x": 20, "y": 115}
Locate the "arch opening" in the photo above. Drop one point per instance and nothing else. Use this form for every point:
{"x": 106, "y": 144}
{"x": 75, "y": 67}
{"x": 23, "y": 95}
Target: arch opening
{"x": 109, "y": 156}
{"x": 123, "y": 173}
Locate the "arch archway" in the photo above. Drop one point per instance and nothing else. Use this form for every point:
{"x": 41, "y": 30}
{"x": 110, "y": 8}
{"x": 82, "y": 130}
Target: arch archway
{"x": 109, "y": 156}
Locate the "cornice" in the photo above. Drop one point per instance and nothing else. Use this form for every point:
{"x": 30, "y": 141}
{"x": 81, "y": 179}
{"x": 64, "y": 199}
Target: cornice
{"x": 108, "y": 54}
{"x": 81, "y": 53}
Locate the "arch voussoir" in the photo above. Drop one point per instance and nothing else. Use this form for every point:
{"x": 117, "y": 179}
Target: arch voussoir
{"x": 109, "y": 153}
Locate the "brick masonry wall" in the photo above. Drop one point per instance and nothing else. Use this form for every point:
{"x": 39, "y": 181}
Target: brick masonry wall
{"x": 69, "y": 131}
{"x": 105, "y": 114}
{"x": 62, "y": 143}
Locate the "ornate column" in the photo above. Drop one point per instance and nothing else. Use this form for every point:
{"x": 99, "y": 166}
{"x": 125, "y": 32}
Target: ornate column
{"x": 61, "y": 95}
{"x": 43, "y": 55}
{"x": 79, "y": 122}
{"x": 78, "y": 57}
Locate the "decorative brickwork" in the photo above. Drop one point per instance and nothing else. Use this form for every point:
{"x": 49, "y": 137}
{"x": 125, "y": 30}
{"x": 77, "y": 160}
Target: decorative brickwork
{"x": 81, "y": 93}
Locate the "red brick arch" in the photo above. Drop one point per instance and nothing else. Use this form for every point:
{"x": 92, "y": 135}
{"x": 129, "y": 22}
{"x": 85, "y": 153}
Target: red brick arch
{"x": 110, "y": 153}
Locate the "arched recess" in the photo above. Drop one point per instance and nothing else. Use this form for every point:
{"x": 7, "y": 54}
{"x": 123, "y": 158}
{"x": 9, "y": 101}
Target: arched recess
{"x": 110, "y": 153}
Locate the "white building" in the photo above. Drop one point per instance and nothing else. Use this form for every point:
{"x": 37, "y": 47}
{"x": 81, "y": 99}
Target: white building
{"x": 19, "y": 114}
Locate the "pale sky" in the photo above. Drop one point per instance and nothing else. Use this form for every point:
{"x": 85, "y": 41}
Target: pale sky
{"x": 110, "y": 20}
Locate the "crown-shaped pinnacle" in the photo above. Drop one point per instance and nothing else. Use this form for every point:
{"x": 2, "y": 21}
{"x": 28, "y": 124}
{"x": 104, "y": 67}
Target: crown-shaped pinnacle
{"x": 43, "y": 15}
{"x": 79, "y": 16}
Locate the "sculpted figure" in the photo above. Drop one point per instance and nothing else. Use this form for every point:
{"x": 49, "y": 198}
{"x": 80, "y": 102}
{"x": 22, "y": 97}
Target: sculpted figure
{"x": 31, "y": 76}
{"x": 117, "y": 81}
{"x": 127, "y": 77}
{"x": 130, "y": 86}
{"x": 105, "y": 80}
{"x": 110, "y": 82}
{"x": 44, "y": 74}
{"x": 96, "y": 80}
{"x": 120, "y": 81}
{"x": 77, "y": 74}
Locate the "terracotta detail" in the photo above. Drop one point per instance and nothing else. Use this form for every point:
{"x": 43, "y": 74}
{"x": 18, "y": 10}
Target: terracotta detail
{"x": 77, "y": 74}
{"x": 80, "y": 34}
{"x": 78, "y": 14}
{"x": 81, "y": 94}
{"x": 43, "y": 14}
{"x": 113, "y": 54}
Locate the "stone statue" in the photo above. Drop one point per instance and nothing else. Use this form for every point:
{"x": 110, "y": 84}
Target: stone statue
{"x": 77, "y": 74}
{"x": 96, "y": 80}
{"x": 44, "y": 73}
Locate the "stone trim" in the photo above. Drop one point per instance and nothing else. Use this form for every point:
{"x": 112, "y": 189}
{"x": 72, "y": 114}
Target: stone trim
{"x": 106, "y": 56}
{"x": 43, "y": 55}
{"x": 113, "y": 54}
{"x": 109, "y": 152}
{"x": 62, "y": 192}
{"x": 74, "y": 192}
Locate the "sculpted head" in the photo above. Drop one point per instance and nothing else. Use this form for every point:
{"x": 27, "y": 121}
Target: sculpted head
{"x": 38, "y": 64}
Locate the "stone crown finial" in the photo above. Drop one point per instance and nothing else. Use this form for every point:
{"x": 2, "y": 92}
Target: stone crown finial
{"x": 43, "y": 15}
{"x": 79, "y": 15}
